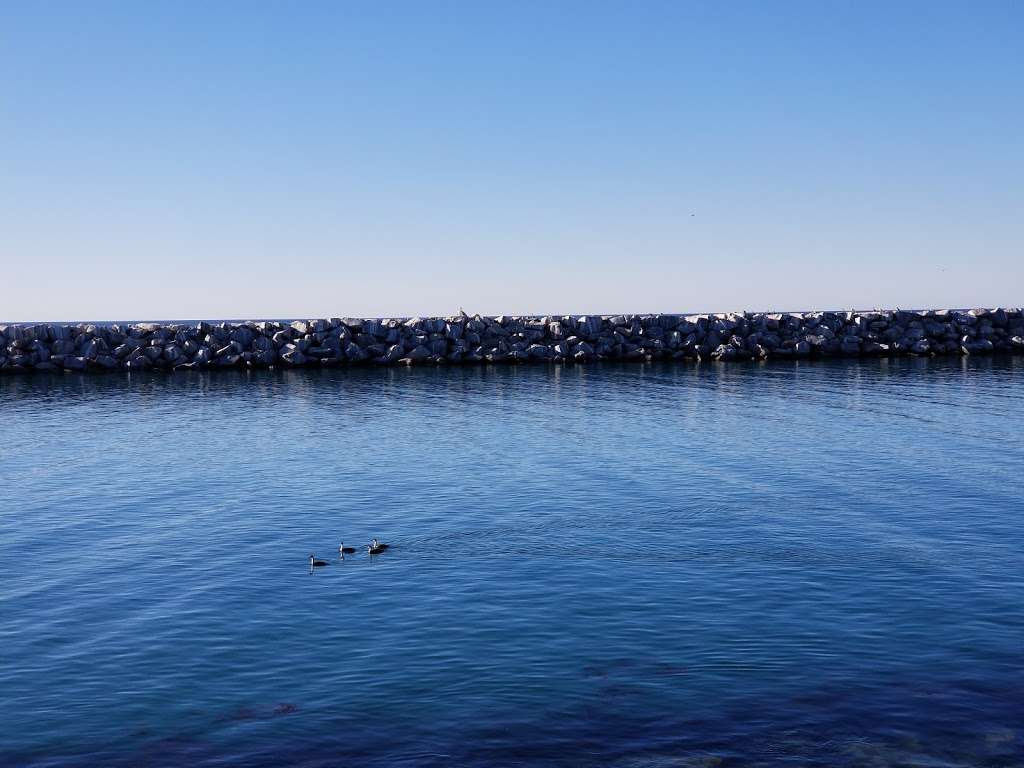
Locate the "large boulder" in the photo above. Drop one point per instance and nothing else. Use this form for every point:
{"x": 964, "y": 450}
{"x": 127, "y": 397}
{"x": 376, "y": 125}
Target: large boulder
{"x": 976, "y": 346}
{"x": 419, "y": 354}
{"x": 242, "y": 336}
{"x": 850, "y": 346}
{"x": 354, "y": 353}
{"x": 264, "y": 357}
{"x": 583, "y": 351}
{"x": 374, "y": 328}
{"x": 292, "y": 355}
{"x": 538, "y": 351}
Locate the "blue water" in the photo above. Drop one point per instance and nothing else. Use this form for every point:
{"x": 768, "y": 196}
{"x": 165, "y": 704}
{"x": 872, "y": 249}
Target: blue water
{"x": 662, "y": 565}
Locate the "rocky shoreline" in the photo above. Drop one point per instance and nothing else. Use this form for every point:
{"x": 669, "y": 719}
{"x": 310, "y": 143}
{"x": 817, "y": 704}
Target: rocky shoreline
{"x": 462, "y": 339}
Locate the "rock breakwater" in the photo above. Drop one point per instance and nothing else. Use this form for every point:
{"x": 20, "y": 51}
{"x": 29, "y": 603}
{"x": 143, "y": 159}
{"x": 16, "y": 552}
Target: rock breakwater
{"x": 464, "y": 339}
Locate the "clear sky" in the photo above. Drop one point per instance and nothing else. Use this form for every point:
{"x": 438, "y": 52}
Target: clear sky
{"x": 247, "y": 159}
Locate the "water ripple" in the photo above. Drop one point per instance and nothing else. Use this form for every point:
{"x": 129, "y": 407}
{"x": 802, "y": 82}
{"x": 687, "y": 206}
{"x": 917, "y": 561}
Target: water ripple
{"x": 650, "y": 565}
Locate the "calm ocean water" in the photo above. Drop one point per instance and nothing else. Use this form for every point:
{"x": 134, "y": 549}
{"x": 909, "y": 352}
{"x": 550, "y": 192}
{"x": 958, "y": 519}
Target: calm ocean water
{"x": 782, "y": 564}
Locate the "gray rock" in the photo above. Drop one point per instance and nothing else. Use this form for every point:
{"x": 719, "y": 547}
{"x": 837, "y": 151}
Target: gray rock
{"x": 374, "y": 328}
{"x": 978, "y": 347}
{"x": 242, "y": 336}
{"x": 538, "y": 351}
{"x": 354, "y": 353}
{"x": 130, "y": 343}
{"x": 293, "y": 356}
{"x": 234, "y": 348}
{"x": 724, "y": 336}
{"x": 419, "y": 354}
{"x": 264, "y": 357}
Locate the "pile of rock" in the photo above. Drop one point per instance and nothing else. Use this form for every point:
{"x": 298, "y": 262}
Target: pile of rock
{"x": 477, "y": 339}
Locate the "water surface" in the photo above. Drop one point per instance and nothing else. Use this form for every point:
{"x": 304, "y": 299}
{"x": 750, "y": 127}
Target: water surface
{"x": 662, "y": 565}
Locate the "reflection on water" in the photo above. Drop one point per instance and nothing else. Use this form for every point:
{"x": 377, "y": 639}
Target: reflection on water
{"x": 640, "y": 565}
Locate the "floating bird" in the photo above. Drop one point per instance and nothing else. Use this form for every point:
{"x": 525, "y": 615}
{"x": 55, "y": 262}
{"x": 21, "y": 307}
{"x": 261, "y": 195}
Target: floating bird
{"x": 343, "y": 550}
{"x": 375, "y": 547}
{"x": 314, "y": 563}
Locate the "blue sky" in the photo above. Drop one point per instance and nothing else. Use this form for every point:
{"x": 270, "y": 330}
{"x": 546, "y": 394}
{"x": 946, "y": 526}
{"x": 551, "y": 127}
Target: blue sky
{"x": 184, "y": 160}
